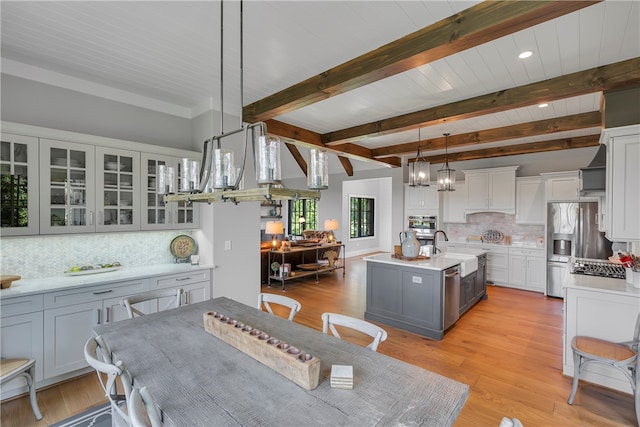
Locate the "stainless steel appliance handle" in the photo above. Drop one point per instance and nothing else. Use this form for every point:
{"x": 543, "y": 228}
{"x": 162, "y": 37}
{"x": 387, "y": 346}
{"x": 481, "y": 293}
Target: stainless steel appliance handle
{"x": 578, "y": 250}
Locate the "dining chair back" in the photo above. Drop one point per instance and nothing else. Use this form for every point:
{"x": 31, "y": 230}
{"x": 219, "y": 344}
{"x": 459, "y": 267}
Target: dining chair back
{"x": 173, "y": 298}
{"x": 329, "y": 320}
{"x": 143, "y": 411}
{"x": 110, "y": 373}
{"x": 267, "y": 299}
{"x": 26, "y": 368}
{"x": 622, "y": 356}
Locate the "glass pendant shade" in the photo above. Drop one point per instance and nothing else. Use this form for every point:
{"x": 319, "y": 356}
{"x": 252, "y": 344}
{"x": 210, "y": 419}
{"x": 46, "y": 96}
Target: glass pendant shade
{"x": 268, "y": 169}
{"x": 446, "y": 175}
{"x": 446, "y": 178}
{"x": 318, "y": 169}
{"x": 223, "y": 171}
{"x": 189, "y": 175}
{"x": 419, "y": 174}
{"x": 165, "y": 176}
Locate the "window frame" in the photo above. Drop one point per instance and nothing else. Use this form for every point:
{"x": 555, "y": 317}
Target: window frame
{"x": 310, "y": 215}
{"x": 371, "y": 212}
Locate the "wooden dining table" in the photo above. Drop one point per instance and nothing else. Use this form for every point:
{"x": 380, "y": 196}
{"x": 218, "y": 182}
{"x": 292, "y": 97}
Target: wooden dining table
{"x": 198, "y": 380}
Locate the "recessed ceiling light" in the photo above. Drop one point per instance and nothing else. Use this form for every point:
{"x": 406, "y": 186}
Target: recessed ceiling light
{"x": 543, "y": 105}
{"x": 525, "y": 54}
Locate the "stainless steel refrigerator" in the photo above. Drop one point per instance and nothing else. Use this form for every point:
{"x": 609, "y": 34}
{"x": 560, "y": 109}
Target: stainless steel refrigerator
{"x": 572, "y": 231}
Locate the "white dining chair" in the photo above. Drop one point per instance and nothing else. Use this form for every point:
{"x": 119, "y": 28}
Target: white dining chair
{"x": 110, "y": 373}
{"x": 26, "y": 368}
{"x": 267, "y": 299}
{"x": 329, "y": 320}
{"x": 173, "y": 295}
{"x": 143, "y": 411}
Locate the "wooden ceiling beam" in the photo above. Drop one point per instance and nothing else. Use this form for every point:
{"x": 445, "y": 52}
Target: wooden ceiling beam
{"x": 613, "y": 76}
{"x": 306, "y": 138}
{"x": 512, "y": 150}
{"x": 297, "y": 157}
{"x": 472, "y": 27}
{"x": 542, "y": 127}
{"x": 346, "y": 164}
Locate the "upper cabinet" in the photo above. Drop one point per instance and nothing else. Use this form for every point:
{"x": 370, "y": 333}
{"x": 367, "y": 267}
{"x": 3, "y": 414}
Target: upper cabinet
{"x": 530, "y": 201}
{"x": 155, "y": 214}
{"x": 491, "y": 190}
{"x": 564, "y": 187}
{"x": 58, "y": 182}
{"x": 421, "y": 200}
{"x": 118, "y": 189}
{"x": 67, "y": 187}
{"x": 623, "y": 183}
{"x": 19, "y": 187}
{"x": 454, "y": 204}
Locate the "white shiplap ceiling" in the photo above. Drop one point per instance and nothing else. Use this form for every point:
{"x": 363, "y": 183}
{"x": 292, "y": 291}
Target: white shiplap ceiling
{"x": 166, "y": 56}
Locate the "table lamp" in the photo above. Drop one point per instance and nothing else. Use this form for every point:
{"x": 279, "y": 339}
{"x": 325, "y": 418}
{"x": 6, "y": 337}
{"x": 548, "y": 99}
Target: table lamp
{"x": 330, "y": 225}
{"x": 274, "y": 228}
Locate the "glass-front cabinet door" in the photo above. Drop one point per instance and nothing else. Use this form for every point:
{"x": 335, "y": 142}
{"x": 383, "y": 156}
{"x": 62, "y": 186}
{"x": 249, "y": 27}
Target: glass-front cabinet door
{"x": 67, "y": 187}
{"x": 19, "y": 185}
{"x": 155, "y": 214}
{"x": 118, "y": 189}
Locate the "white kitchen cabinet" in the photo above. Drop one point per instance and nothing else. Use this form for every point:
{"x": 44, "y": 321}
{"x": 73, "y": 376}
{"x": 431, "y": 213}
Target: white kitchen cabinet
{"x": 67, "y": 187}
{"x": 421, "y": 200}
{"x": 497, "y": 264}
{"x": 19, "y": 175}
{"x": 196, "y": 285}
{"x": 623, "y": 184}
{"x": 21, "y": 336}
{"x": 117, "y": 189}
{"x": 530, "y": 201}
{"x": 69, "y": 315}
{"x": 155, "y": 214}
{"x": 564, "y": 187}
{"x": 491, "y": 190}
{"x": 454, "y": 204}
{"x": 527, "y": 269}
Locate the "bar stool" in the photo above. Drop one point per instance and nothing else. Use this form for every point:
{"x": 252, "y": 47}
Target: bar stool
{"x": 13, "y": 368}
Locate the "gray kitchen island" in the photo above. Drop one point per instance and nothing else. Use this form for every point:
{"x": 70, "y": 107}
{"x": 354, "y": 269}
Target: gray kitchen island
{"x": 426, "y": 296}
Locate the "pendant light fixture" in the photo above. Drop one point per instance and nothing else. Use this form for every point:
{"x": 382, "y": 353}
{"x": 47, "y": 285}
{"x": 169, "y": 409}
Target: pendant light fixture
{"x": 219, "y": 180}
{"x": 318, "y": 169}
{"x": 419, "y": 174}
{"x": 446, "y": 175}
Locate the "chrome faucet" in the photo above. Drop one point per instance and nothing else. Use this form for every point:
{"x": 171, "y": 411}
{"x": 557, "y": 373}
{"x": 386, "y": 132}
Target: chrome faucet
{"x": 435, "y": 240}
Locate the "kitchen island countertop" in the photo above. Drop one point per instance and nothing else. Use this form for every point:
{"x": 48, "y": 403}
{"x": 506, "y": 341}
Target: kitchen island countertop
{"x": 436, "y": 262}
{"x": 46, "y": 284}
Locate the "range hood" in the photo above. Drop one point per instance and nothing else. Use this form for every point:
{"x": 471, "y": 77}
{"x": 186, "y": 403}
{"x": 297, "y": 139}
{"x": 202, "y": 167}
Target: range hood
{"x": 593, "y": 177}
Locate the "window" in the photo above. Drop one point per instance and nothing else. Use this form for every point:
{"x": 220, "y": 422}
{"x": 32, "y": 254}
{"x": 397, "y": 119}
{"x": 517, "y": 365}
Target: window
{"x": 303, "y": 215}
{"x": 361, "y": 215}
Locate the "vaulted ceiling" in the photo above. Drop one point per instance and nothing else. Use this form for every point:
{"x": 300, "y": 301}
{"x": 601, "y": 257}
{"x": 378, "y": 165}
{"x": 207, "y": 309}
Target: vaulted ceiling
{"x": 368, "y": 80}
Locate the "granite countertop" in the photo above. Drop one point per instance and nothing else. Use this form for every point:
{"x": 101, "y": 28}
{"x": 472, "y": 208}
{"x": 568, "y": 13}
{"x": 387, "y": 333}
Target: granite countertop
{"x": 46, "y": 284}
{"x": 599, "y": 284}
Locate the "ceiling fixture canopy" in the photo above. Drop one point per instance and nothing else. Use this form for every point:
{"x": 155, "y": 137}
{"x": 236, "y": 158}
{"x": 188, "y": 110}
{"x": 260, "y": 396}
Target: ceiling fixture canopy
{"x": 419, "y": 174}
{"x": 446, "y": 175}
{"x": 216, "y": 178}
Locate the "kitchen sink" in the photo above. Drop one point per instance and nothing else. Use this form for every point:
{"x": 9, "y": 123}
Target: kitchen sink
{"x": 468, "y": 263}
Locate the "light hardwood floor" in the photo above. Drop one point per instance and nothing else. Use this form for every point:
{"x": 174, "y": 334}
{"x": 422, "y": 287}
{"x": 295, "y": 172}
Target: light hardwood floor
{"x": 508, "y": 348}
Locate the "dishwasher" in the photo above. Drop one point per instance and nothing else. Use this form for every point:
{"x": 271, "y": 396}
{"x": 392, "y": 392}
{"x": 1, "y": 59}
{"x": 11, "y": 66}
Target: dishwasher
{"x": 451, "y": 300}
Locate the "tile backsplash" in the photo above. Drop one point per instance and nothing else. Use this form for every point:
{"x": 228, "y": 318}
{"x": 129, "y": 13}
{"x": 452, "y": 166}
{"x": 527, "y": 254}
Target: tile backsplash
{"x": 43, "y": 256}
{"x": 478, "y": 223}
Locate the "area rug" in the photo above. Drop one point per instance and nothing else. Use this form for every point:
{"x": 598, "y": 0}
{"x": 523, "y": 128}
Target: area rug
{"x": 98, "y": 416}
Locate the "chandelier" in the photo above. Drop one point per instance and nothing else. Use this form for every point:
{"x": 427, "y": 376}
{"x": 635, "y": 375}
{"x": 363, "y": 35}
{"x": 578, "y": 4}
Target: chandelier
{"x": 419, "y": 174}
{"x": 446, "y": 175}
{"x": 216, "y": 178}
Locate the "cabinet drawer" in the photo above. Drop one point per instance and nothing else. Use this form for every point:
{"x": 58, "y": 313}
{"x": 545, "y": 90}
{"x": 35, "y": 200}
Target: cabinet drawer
{"x": 498, "y": 260}
{"x": 538, "y": 253}
{"x": 21, "y": 305}
{"x": 181, "y": 279}
{"x": 95, "y": 293}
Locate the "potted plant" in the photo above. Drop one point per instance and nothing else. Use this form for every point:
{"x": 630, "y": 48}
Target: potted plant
{"x": 275, "y": 266}
{"x": 331, "y": 256}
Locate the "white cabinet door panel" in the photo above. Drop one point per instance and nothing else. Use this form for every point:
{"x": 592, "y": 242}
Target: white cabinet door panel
{"x": 21, "y": 337}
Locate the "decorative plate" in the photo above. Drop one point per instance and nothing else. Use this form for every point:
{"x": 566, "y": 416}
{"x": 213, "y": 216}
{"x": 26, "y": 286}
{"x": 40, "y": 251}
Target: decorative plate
{"x": 492, "y": 236}
{"x": 183, "y": 246}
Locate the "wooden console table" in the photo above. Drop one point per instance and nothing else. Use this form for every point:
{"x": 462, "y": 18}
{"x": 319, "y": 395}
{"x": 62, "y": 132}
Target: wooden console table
{"x": 317, "y": 251}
